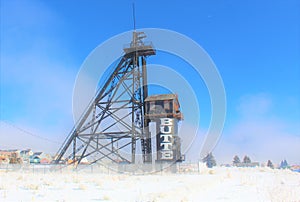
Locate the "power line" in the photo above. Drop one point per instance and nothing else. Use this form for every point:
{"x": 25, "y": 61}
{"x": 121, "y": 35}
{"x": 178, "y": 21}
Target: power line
{"x": 27, "y": 132}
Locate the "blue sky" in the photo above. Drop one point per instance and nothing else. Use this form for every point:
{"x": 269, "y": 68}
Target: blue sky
{"x": 255, "y": 46}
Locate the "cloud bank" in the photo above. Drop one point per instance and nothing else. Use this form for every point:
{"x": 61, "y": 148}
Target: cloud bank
{"x": 259, "y": 133}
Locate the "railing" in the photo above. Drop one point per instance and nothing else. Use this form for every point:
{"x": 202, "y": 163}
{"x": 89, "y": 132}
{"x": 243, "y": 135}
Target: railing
{"x": 144, "y": 44}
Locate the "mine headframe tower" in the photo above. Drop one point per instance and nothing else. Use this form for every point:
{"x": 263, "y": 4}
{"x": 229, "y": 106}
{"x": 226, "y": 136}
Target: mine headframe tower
{"x": 114, "y": 122}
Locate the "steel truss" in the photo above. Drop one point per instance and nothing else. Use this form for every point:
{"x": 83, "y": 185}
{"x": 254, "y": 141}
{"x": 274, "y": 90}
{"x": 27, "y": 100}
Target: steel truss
{"x": 113, "y": 124}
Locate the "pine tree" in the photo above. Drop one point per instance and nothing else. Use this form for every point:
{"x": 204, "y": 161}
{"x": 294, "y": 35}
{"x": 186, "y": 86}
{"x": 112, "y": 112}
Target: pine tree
{"x": 270, "y": 164}
{"x": 236, "y": 160}
{"x": 246, "y": 159}
{"x": 284, "y": 164}
{"x": 210, "y": 161}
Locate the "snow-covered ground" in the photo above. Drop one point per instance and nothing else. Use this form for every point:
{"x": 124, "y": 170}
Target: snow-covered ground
{"x": 217, "y": 184}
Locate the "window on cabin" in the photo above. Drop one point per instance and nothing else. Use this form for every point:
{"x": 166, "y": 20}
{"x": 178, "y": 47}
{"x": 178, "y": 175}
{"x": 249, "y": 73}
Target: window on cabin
{"x": 151, "y": 107}
{"x": 168, "y": 106}
{"x": 159, "y": 106}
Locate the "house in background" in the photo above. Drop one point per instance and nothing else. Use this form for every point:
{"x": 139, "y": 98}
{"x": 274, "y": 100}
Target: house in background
{"x": 25, "y": 155}
{"x": 40, "y": 158}
{"x": 45, "y": 158}
{"x": 10, "y": 156}
{"x": 35, "y": 158}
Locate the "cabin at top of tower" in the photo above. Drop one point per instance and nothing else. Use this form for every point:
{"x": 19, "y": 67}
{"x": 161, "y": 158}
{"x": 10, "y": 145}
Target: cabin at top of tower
{"x": 139, "y": 46}
{"x": 163, "y": 106}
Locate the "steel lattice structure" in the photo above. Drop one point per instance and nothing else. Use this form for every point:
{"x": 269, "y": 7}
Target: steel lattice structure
{"x": 114, "y": 122}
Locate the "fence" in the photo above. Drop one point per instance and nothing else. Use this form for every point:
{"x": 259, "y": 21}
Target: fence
{"x": 104, "y": 169}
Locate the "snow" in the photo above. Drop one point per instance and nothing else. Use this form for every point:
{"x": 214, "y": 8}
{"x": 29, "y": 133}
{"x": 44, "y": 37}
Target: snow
{"x": 216, "y": 184}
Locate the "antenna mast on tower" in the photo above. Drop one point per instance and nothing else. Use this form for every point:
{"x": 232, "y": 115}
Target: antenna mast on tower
{"x": 133, "y": 15}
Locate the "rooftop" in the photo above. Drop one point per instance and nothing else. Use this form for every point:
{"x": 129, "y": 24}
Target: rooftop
{"x": 161, "y": 97}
